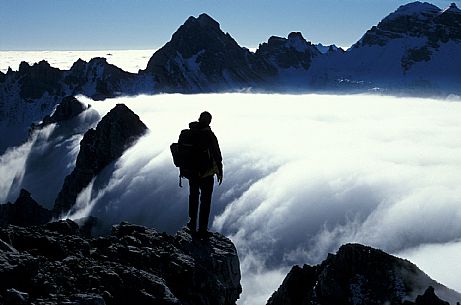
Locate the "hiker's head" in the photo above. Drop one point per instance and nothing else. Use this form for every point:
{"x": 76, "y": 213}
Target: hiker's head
{"x": 205, "y": 118}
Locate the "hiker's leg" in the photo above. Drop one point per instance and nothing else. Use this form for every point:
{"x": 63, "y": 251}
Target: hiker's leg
{"x": 194, "y": 192}
{"x": 206, "y": 186}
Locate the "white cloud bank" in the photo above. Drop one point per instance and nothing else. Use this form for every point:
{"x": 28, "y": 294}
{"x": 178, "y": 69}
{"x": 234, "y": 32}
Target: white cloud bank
{"x": 303, "y": 174}
{"x": 128, "y": 60}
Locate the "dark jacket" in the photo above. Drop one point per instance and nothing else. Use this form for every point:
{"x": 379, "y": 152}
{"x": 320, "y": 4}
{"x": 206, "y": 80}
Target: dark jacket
{"x": 207, "y": 139}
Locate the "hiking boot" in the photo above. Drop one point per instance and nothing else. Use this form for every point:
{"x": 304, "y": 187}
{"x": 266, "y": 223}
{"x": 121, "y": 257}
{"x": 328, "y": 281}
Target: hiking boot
{"x": 201, "y": 234}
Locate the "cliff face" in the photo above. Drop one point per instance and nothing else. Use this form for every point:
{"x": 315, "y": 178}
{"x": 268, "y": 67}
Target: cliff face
{"x": 358, "y": 275}
{"x": 98, "y": 148}
{"x": 55, "y": 264}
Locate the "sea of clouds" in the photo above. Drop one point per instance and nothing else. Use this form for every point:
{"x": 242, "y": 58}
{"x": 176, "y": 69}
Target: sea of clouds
{"x": 303, "y": 174}
{"x": 129, "y": 60}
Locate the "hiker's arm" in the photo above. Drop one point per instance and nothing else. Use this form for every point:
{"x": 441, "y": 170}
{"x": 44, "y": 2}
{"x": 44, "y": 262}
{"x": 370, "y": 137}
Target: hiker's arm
{"x": 216, "y": 151}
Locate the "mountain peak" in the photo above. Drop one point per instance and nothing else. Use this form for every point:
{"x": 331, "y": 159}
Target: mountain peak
{"x": 350, "y": 277}
{"x": 206, "y": 20}
{"x": 295, "y": 36}
{"x": 452, "y": 9}
{"x": 419, "y": 9}
{"x": 203, "y": 21}
{"x": 116, "y": 131}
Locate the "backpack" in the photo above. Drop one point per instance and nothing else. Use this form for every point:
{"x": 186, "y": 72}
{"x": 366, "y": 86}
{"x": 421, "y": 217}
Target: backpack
{"x": 191, "y": 155}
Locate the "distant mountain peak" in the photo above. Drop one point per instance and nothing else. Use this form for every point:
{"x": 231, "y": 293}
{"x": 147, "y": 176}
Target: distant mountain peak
{"x": 297, "y": 41}
{"x": 296, "y": 36}
{"x": 453, "y": 8}
{"x": 418, "y": 9}
{"x": 203, "y": 21}
{"x": 206, "y": 20}
{"x": 327, "y": 48}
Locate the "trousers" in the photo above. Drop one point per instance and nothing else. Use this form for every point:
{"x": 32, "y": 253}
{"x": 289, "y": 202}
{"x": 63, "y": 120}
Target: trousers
{"x": 200, "y": 188}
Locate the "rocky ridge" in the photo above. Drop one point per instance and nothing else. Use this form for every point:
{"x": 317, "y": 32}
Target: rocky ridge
{"x": 55, "y": 264}
{"x": 99, "y": 147}
{"x": 68, "y": 108}
{"x": 200, "y": 57}
{"x": 358, "y": 274}
{"x": 32, "y": 92}
{"x": 428, "y": 25}
{"x": 48, "y": 146}
{"x": 292, "y": 52}
{"x": 25, "y": 211}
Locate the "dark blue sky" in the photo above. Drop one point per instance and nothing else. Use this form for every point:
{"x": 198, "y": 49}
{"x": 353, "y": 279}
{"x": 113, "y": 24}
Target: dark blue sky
{"x": 148, "y": 24}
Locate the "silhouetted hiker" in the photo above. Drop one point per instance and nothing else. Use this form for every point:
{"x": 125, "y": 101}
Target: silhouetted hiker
{"x": 198, "y": 157}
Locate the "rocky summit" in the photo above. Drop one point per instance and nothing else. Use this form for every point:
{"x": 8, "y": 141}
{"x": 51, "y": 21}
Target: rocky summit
{"x": 358, "y": 274}
{"x": 68, "y": 108}
{"x": 99, "y": 147}
{"x": 25, "y": 211}
{"x": 98, "y": 79}
{"x": 55, "y": 264}
{"x": 292, "y": 52}
{"x": 200, "y": 57}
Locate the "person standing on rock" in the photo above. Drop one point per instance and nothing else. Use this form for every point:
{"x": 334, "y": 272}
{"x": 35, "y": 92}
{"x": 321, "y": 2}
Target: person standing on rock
{"x": 198, "y": 156}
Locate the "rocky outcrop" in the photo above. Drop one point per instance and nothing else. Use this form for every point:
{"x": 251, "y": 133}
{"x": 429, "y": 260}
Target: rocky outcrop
{"x": 357, "y": 274}
{"x": 38, "y": 79}
{"x": 292, "y": 52}
{"x": 98, "y": 79}
{"x": 428, "y": 298}
{"x": 200, "y": 57}
{"x": 25, "y": 211}
{"x": 55, "y": 264}
{"x": 68, "y": 108}
{"x": 99, "y": 147}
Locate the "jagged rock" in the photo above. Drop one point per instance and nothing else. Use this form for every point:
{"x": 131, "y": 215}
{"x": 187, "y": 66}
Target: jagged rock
{"x": 293, "y": 52}
{"x": 32, "y": 92}
{"x": 99, "y": 147}
{"x": 134, "y": 265}
{"x": 15, "y": 297}
{"x": 25, "y": 211}
{"x": 200, "y": 58}
{"x": 39, "y": 78}
{"x": 328, "y": 48}
{"x": 68, "y": 108}
{"x": 428, "y": 298}
{"x": 356, "y": 275}
{"x": 98, "y": 79}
